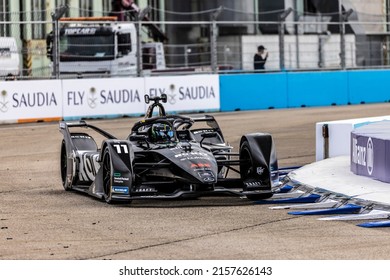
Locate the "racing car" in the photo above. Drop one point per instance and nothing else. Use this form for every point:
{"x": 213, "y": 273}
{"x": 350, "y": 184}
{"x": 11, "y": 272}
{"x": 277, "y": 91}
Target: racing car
{"x": 166, "y": 157}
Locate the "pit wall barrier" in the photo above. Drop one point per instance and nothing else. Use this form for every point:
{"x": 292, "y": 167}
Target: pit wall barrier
{"x": 50, "y": 100}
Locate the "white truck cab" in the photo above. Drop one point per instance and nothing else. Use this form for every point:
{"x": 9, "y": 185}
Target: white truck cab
{"x": 9, "y": 57}
{"x": 90, "y": 46}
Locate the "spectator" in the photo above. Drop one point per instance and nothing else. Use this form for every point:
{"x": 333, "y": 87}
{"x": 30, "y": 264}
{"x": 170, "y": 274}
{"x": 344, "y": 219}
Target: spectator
{"x": 260, "y": 58}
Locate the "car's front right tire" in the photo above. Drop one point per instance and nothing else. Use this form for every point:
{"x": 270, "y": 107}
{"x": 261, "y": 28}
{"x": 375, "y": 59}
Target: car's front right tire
{"x": 66, "y": 180}
{"x": 247, "y": 171}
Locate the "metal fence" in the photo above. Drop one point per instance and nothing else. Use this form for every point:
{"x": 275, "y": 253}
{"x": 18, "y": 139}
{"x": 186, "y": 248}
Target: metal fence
{"x": 204, "y": 43}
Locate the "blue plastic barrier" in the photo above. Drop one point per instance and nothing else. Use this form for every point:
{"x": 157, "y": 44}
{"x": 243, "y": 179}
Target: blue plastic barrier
{"x": 368, "y": 86}
{"x": 317, "y": 89}
{"x": 301, "y": 89}
{"x": 253, "y": 91}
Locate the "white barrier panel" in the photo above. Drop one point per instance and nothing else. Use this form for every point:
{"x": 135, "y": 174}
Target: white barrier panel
{"x": 49, "y": 100}
{"x": 29, "y": 101}
{"x": 186, "y": 93}
{"x": 339, "y": 141}
{"x": 92, "y": 98}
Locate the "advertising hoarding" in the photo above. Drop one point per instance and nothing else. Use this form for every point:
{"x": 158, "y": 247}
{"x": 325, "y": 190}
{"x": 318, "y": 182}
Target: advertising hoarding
{"x": 27, "y": 101}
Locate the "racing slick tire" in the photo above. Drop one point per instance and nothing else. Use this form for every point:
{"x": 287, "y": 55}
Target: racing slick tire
{"x": 247, "y": 170}
{"x": 67, "y": 181}
{"x": 107, "y": 176}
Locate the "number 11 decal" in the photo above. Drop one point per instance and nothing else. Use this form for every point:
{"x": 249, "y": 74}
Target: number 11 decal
{"x": 121, "y": 148}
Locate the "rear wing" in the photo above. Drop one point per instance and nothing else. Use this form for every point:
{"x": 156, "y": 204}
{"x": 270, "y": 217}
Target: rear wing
{"x": 64, "y": 128}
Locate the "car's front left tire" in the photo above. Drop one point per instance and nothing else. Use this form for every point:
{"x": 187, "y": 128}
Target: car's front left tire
{"x": 107, "y": 175}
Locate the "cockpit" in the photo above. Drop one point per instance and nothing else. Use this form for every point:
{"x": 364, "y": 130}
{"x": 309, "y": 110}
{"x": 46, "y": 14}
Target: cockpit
{"x": 161, "y": 133}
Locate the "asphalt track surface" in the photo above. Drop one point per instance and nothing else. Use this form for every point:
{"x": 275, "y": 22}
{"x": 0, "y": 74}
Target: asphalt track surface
{"x": 39, "y": 220}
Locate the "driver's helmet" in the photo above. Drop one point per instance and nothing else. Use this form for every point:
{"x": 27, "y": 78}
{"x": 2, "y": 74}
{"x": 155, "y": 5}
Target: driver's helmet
{"x": 161, "y": 133}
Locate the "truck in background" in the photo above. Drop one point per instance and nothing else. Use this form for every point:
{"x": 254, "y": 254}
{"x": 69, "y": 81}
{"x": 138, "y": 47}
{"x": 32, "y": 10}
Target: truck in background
{"x": 9, "y": 58}
{"x": 102, "y": 46}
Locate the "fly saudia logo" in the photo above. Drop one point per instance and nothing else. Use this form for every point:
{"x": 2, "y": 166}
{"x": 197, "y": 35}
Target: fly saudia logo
{"x": 363, "y": 155}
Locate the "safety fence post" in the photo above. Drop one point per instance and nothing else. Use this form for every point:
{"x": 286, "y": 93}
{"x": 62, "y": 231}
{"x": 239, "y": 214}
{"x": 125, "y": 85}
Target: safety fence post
{"x": 139, "y": 17}
{"x": 59, "y": 12}
{"x": 282, "y": 19}
{"x": 213, "y": 40}
{"x": 343, "y": 19}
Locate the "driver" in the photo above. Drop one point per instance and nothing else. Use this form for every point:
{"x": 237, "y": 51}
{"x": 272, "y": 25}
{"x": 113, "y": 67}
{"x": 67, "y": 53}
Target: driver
{"x": 161, "y": 133}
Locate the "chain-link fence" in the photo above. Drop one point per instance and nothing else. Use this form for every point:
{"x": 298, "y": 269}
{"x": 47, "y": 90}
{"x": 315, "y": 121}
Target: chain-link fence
{"x": 46, "y": 44}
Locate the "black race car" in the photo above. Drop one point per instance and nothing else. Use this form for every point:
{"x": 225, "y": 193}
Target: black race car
{"x": 166, "y": 156}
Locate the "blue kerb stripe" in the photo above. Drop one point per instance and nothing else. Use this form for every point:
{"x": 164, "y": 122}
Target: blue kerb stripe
{"x": 347, "y": 209}
{"x": 375, "y": 224}
{"x": 305, "y": 199}
{"x": 286, "y": 189}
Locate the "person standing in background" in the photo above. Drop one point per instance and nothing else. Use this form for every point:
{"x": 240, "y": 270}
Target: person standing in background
{"x": 260, "y": 58}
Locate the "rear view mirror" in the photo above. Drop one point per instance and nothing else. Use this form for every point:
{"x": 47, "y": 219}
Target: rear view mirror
{"x": 124, "y": 43}
{"x": 147, "y": 99}
{"x": 138, "y": 137}
{"x": 207, "y": 135}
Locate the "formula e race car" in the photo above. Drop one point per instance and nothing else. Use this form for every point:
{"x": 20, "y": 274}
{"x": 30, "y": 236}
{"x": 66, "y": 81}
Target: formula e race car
{"x": 166, "y": 156}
